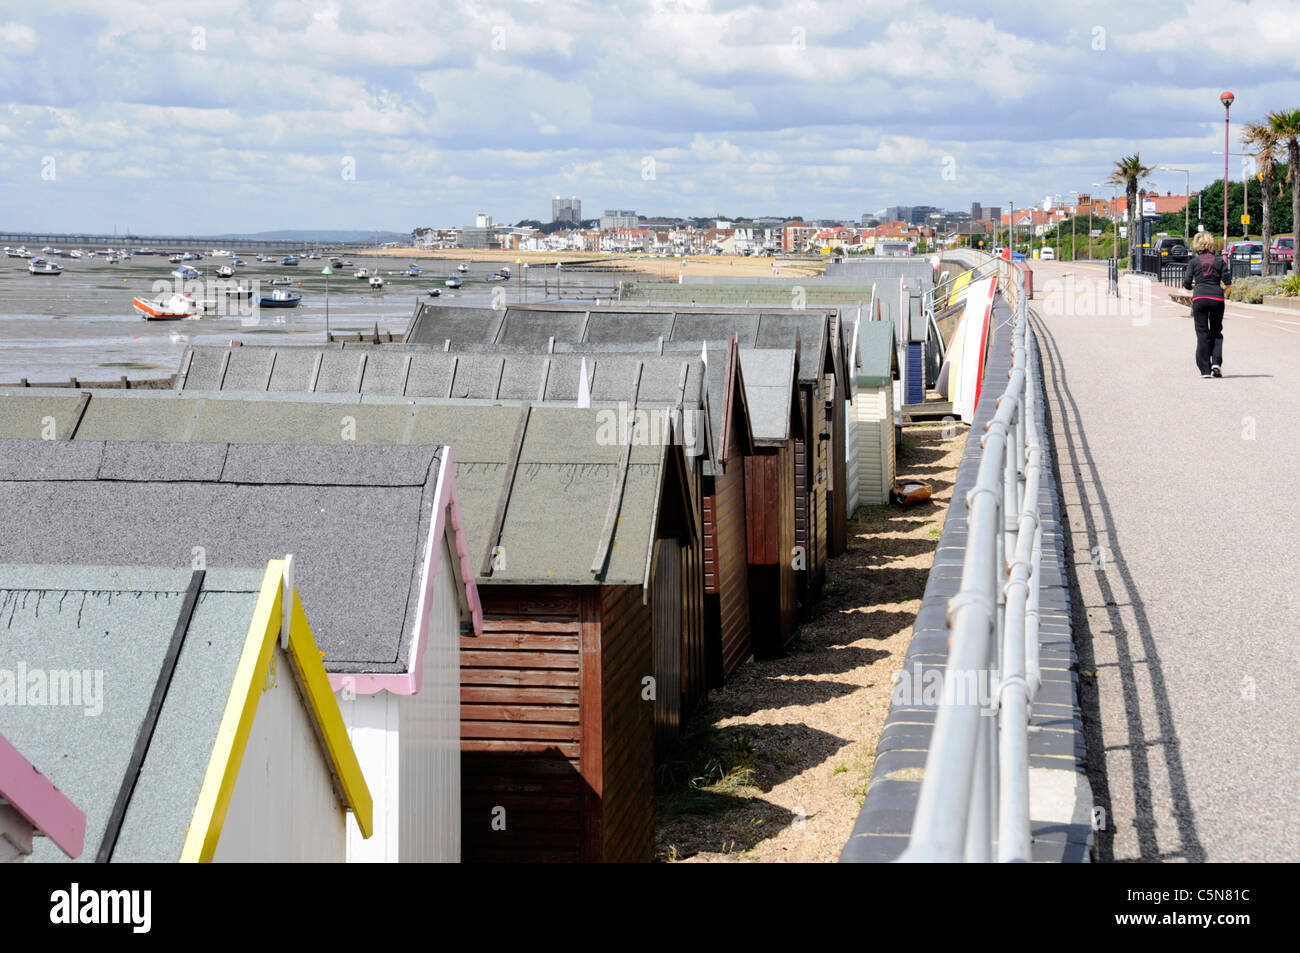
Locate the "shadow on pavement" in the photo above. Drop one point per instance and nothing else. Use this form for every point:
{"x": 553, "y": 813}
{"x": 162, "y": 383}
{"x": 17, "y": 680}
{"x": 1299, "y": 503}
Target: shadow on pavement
{"x": 1133, "y": 648}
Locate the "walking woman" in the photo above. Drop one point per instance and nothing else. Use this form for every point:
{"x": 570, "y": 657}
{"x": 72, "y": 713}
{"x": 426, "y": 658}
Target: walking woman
{"x": 1208, "y": 276}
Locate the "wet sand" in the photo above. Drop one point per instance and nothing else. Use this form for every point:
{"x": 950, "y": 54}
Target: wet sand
{"x": 81, "y": 323}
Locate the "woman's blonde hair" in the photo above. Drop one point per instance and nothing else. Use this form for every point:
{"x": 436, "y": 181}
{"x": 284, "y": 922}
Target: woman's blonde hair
{"x": 1203, "y": 241}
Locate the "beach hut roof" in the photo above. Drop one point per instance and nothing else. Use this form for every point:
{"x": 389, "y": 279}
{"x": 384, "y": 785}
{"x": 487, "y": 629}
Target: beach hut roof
{"x": 877, "y": 356}
{"x": 634, "y": 327}
{"x": 179, "y": 658}
{"x": 550, "y": 486}
{"x": 363, "y": 522}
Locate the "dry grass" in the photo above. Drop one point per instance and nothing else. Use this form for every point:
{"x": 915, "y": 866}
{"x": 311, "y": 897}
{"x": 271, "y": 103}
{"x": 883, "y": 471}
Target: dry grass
{"x": 775, "y": 766}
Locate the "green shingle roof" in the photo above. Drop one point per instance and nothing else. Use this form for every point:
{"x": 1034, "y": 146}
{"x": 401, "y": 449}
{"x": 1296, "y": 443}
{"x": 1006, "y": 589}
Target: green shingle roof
{"x": 111, "y": 628}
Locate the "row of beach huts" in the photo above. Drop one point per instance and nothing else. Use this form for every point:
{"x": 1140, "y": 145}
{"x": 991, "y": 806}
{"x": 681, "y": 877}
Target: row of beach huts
{"x": 439, "y": 600}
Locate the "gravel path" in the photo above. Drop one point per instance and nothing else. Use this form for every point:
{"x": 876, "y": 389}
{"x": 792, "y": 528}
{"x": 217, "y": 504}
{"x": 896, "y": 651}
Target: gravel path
{"x": 1182, "y": 515}
{"x": 774, "y": 768}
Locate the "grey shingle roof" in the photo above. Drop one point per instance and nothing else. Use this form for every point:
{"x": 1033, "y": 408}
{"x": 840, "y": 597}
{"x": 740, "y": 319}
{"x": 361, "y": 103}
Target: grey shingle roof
{"x": 118, "y": 622}
{"x": 355, "y": 520}
{"x": 314, "y": 492}
{"x": 399, "y": 370}
{"x": 629, "y": 327}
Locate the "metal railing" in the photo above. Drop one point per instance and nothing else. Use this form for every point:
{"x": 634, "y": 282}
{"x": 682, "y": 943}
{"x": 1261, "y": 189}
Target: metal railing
{"x": 974, "y": 799}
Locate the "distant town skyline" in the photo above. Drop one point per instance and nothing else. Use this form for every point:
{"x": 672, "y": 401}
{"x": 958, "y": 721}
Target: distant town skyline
{"x": 241, "y": 117}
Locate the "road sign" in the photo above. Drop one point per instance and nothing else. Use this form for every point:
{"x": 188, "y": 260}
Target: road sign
{"x": 1245, "y": 219}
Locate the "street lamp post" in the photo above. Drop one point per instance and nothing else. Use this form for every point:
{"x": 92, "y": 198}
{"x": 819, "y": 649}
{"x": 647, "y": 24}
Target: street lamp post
{"x": 1227, "y": 99}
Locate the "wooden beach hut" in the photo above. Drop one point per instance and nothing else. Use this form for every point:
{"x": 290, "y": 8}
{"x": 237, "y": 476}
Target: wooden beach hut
{"x": 820, "y": 525}
{"x": 578, "y": 524}
{"x": 670, "y": 388}
{"x": 874, "y": 370}
{"x": 222, "y": 741}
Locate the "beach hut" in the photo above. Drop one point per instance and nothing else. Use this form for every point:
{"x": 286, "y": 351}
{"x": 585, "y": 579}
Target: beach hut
{"x": 382, "y": 567}
{"x": 875, "y": 365}
{"x": 579, "y": 522}
{"x": 222, "y": 741}
{"x": 663, "y": 385}
{"x": 30, "y": 804}
{"x": 820, "y": 526}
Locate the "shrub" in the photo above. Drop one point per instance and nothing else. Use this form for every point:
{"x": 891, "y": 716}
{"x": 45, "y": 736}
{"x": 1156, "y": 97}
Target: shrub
{"x": 1252, "y": 290}
{"x": 1291, "y": 286}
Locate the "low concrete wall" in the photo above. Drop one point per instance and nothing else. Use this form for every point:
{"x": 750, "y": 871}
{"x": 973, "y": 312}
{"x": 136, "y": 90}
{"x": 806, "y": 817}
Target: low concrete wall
{"x": 1060, "y": 795}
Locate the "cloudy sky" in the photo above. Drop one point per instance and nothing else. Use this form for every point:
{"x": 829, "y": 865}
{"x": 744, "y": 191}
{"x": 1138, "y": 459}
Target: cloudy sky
{"x": 212, "y": 116}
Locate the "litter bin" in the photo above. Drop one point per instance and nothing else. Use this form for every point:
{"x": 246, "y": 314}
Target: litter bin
{"x": 1029, "y": 283}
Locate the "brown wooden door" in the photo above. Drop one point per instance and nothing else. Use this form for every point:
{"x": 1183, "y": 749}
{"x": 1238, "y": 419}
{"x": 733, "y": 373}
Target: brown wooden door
{"x": 666, "y": 624}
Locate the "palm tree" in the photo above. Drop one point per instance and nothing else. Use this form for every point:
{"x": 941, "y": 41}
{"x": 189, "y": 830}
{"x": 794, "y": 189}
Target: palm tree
{"x": 1128, "y": 172}
{"x": 1260, "y": 137}
{"x": 1286, "y": 126}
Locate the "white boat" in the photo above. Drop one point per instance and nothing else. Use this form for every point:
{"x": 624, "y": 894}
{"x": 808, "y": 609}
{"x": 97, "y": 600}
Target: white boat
{"x": 39, "y": 266}
{"x": 376, "y": 281}
{"x": 219, "y": 253}
{"x": 453, "y": 282}
{"x": 169, "y": 307}
{"x": 175, "y": 259}
{"x": 186, "y": 273}
{"x": 225, "y": 271}
{"x": 361, "y": 274}
{"x": 504, "y": 271}
{"x": 280, "y": 281}
{"x": 75, "y": 253}
{"x": 463, "y": 268}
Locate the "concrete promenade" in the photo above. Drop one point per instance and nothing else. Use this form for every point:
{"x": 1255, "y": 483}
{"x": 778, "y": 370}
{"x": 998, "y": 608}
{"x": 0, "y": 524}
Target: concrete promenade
{"x": 1181, "y": 513}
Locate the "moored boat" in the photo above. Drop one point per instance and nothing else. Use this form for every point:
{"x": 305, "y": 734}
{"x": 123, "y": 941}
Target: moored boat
{"x": 434, "y": 292}
{"x": 169, "y": 307}
{"x": 376, "y": 281}
{"x": 463, "y": 268}
{"x": 40, "y": 266}
{"x": 453, "y": 282}
{"x": 288, "y": 260}
{"x": 225, "y": 271}
{"x": 361, "y": 274}
{"x": 279, "y": 298}
{"x": 413, "y": 271}
{"x": 186, "y": 273}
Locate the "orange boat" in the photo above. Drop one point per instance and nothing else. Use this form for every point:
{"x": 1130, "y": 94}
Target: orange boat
{"x": 172, "y": 307}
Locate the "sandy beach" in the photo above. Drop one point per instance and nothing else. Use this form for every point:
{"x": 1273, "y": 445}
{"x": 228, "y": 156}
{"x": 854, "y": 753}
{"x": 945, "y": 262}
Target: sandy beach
{"x": 715, "y": 265}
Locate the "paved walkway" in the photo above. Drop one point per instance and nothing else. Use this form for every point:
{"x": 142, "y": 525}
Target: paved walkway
{"x": 1181, "y": 503}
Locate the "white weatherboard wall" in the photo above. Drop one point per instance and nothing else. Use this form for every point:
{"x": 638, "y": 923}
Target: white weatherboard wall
{"x": 874, "y": 410}
{"x": 284, "y": 807}
{"x": 409, "y": 747}
{"x": 853, "y": 497}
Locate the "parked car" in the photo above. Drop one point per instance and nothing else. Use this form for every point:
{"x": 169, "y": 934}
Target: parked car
{"x": 1245, "y": 253}
{"x": 1170, "y": 248}
{"x": 1047, "y": 253}
{"x": 1283, "y": 249}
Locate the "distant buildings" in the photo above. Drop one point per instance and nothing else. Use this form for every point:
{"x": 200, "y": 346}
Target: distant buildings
{"x": 617, "y": 218}
{"x": 566, "y": 210}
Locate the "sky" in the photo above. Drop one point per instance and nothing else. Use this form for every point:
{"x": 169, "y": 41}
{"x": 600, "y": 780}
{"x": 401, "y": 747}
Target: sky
{"x": 215, "y": 116}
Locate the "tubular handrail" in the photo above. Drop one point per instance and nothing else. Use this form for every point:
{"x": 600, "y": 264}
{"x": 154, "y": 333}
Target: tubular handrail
{"x": 974, "y": 799}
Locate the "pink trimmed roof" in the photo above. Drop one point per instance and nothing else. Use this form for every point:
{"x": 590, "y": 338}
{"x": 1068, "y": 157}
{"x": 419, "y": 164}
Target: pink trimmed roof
{"x": 446, "y": 519}
{"x": 44, "y": 806}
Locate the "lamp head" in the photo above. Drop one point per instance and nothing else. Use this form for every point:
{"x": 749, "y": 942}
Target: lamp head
{"x": 1227, "y": 99}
